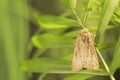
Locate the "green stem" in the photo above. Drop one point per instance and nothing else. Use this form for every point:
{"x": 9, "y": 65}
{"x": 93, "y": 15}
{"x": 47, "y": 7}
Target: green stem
{"x": 79, "y": 20}
{"x": 42, "y": 76}
{"x": 112, "y": 77}
{"x": 106, "y": 67}
{"x": 38, "y": 52}
{"x": 87, "y": 11}
{"x": 105, "y": 64}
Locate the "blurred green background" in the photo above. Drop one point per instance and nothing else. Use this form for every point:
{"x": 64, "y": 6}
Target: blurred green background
{"x": 29, "y": 51}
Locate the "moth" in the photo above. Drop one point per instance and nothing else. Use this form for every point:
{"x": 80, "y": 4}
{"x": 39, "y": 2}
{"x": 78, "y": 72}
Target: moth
{"x": 84, "y": 53}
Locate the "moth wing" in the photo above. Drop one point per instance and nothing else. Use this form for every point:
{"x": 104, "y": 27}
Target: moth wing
{"x": 91, "y": 62}
{"x": 77, "y": 62}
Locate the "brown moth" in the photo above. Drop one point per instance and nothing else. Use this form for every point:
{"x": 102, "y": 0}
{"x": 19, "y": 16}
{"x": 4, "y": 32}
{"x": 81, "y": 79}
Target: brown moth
{"x": 84, "y": 53}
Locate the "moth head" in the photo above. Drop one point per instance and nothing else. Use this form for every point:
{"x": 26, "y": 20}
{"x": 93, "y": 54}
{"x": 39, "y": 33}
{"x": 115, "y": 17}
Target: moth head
{"x": 84, "y": 32}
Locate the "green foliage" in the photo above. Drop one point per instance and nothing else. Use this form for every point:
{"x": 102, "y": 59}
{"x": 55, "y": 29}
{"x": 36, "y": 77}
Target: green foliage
{"x": 55, "y": 22}
{"x": 49, "y": 65}
{"x": 107, "y": 11}
{"x": 13, "y": 38}
{"x": 92, "y": 29}
{"x": 78, "y": 77}
{"x": 47, "y": 41}
{"x": 69, "y": 3}
{"x": 106, "y": 45}
{"x": 116, "y": 60}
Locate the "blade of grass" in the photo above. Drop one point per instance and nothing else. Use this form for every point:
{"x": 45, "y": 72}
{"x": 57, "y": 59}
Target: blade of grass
{"x": 7, "y": 42}
{"x": 42, "y": 76}
{"x": 91, "y": 29}
{"x": 13, "y": 35}
{"x": 116, "y": 60}
{"x": 47, "y": 41}
{"x": 54, "y": 22}
{"x": 78, "y": 77}
{"x": 108, "y": 9}
{"x": 87, "y": 11}
{"x": 105, "y": 65}
{"x": 49, "y": 65}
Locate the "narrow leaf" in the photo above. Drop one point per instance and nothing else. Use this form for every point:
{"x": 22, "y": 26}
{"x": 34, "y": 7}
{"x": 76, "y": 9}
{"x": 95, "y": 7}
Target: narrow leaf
{"x": 78, "y": 77}
{"x": 48, "y": 65}
{"x": 66, "y": 3}
{"x": 54, "y": 22}
{"x": 108, "y": 9}
{"x": 91, "y": 29}
{"x": 69, "y": 3}
{"x": 106, "y": 45}
{"x": 51, "y": 41}
{"x": 116, "y": 58}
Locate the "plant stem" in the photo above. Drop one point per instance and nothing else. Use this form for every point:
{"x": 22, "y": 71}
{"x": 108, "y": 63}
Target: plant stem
{"x": 105, "y": 64}
{"x": 106, "y": 67}
{"x": 38, "y": 52}
{"x": 42, "y": 76}
{"x": 79, "y": 20}
{"x": 112, "y": 77}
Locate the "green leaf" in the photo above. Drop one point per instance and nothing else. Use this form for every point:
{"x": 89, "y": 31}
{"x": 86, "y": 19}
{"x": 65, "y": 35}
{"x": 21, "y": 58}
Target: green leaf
{"x": 116, "y": 16}
{"x": 54, "y": 22}
{"x": 80, "y": 8}
{"x": 51, "y": 41}
{"x": 78, "y": 77}
{"x": 14, "y": 33}
{"x": 116, "y": 58}
{"x": 48, "y": 65}
{"x": 72, "y": 33}
{"x": 42, "y": 76}
{"x": 69, "y": 3}
{"x": 85, "y": 10}
{"x": 106, "y": 45}
{"x": 107, "y": 11}
{"x": 66, "y": 3}
{"x": 91, "y": 29}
